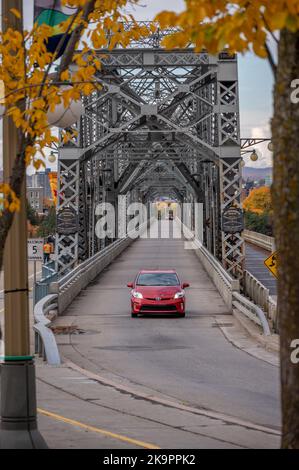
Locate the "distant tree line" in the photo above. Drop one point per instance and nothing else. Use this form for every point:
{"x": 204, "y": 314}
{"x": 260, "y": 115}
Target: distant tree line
{"x": 45, "y": 225}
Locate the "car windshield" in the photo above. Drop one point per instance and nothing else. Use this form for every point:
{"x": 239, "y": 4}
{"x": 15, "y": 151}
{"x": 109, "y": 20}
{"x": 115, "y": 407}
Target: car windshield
{"x": 157, "y": 279}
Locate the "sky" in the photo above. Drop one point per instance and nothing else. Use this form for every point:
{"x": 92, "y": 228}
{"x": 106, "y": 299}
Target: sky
{"x": 255, "y": 82}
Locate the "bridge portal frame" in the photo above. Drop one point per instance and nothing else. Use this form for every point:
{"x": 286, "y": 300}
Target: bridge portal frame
{"x": 177, "y": 111}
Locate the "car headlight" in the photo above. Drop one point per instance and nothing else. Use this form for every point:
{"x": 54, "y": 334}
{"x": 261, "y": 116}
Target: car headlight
{"x": 179, "y": 295}
{"x": 137, "y": 295}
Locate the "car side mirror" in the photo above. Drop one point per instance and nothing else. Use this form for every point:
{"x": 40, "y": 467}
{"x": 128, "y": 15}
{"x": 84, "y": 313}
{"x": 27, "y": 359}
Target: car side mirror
{"x": 185, "y": 284}
{"x": 130, "y": 284}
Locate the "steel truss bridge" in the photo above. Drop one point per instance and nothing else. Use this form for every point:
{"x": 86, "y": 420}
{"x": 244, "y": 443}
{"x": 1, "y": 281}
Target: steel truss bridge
{"x": 164, "y": 123}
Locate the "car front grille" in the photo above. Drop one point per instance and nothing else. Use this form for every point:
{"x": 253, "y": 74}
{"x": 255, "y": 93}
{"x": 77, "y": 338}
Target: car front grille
{"x": 155, "y": 298}
{"x": 157, "y": 308}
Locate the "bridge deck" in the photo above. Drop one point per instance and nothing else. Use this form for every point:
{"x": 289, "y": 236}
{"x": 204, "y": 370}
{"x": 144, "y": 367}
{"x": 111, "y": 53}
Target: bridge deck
{"x": 255, "y": 257}
{"x": 185, "y": 360}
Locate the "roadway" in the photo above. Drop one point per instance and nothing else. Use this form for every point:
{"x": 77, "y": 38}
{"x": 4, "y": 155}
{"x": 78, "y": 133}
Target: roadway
{"x": 173, "y": 382}
{"x": 254, "y": 263}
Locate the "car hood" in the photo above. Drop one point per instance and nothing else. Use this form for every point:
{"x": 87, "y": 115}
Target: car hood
{"x": 158, "y": 291}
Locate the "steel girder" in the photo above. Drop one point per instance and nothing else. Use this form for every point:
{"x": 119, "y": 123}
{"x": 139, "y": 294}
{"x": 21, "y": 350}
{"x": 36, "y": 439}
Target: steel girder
{"x": 164, "y": 122}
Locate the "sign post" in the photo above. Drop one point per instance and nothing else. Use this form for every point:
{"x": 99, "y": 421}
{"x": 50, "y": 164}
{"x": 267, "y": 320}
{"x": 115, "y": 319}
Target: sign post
{"x": 35, "y": 253}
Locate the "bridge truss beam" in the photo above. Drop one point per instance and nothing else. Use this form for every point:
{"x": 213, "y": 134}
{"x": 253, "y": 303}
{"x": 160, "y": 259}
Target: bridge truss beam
{"x": 162, "y": 121}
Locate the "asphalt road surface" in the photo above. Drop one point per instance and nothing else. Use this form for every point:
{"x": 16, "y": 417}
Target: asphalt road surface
{"x": 186, "y": 359}
{"x": 254, "y": 263}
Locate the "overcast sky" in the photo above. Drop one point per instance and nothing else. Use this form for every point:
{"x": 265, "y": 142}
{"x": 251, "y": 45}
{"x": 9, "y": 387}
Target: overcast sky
{"x": 255, "y": 81}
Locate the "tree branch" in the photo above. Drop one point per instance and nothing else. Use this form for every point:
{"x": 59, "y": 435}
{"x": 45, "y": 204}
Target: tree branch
{"x": 271, "y": 60}
{"x": 75, "y": 37}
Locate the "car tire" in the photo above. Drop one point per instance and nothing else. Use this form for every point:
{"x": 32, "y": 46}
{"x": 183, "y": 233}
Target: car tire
{"x": 182, "y": 315}
{"x": 134, "y": 315}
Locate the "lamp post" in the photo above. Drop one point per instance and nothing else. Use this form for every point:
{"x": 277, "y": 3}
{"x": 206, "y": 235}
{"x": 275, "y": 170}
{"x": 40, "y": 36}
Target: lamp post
{"x": 18, "y": 388}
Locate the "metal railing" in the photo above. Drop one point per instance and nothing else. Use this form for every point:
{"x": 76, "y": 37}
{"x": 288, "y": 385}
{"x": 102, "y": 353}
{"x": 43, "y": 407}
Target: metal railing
{"x": 252, "y": 311}
{"x": 42, "y": 287}
{"x": 258, "y": 239}
{"x": 260, "y": 295}
{"x": 255, "y": 290}
{"x": 44, "y": 339}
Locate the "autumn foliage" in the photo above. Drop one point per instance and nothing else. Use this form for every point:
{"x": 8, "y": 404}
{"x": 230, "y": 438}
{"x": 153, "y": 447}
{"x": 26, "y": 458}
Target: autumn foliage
{"x": 235, "y": 25}
{"x": 33, "y": 86}
{"x": 259, "y": 201}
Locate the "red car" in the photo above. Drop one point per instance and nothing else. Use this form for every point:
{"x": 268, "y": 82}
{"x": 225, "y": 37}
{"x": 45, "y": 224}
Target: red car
{"x": 156, "y": 291}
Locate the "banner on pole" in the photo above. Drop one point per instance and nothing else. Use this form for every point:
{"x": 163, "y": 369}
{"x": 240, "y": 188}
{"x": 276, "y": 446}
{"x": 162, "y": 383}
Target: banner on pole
{"x": 53, "y": 185}
{"x": 52, "y": 13}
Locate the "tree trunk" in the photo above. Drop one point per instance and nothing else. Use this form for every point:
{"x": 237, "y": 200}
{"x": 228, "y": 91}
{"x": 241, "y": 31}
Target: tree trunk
{"x": 285, "y": 134}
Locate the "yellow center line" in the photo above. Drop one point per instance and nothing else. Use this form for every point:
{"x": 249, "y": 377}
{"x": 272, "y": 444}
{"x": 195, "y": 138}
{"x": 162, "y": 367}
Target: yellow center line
{"x": 113, "y": 435}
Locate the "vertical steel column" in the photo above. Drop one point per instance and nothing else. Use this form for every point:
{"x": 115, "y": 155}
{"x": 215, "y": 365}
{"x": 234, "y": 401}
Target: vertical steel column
{"x": 68, "y": 187}
{"x": 230, "y": 159}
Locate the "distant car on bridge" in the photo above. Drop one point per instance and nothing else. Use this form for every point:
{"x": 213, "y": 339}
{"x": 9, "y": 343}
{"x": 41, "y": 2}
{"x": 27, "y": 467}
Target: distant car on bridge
{"x": 156, "y": 291}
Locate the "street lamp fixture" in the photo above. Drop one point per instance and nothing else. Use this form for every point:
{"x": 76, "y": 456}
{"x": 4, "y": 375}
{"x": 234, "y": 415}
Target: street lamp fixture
{"x": 65, "y": 117}
{"x": 52, "y": 157}
{"x": 270, "y": 146}
{"x": 254, "y": 156}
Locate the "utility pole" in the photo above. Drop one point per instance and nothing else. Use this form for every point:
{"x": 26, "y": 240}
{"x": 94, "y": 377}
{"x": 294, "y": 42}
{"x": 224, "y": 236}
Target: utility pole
{"x": 18, "y": 427}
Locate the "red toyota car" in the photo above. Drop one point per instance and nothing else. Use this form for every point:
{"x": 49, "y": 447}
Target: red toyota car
{"x": 155, "y": 291}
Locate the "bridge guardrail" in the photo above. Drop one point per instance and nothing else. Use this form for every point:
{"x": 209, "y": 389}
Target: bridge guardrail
{"x": 70, "y": 285}
{"x": 44, "y": 339}
{"x": 256, "y": 291}
{"x": 260, "y": 295}
{"x": 258, "y": 239}
{"x": 225, "y": 283}
{"x": 228, "y": 287}
{"x": 252, "y": 311}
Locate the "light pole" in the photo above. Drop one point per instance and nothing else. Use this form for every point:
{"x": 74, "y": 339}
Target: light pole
{"x": 18, "y": 388}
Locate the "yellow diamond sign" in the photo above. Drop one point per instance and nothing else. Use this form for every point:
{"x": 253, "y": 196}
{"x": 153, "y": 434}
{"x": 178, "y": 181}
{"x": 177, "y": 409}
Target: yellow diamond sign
{"x": 271, "y": 263}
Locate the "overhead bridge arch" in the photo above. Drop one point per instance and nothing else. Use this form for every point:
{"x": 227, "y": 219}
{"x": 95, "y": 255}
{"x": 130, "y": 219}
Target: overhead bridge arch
{"x": 165, "y": 123}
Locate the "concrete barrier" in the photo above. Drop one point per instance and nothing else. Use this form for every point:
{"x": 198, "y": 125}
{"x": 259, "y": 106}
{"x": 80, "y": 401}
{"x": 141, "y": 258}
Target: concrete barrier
{"x": 70, "y": 285}
{"x": 225, "y": 283}
{"x": 258, "y": 239}
{"x": 228, "y": 287}
{"x": 260, "y": 295}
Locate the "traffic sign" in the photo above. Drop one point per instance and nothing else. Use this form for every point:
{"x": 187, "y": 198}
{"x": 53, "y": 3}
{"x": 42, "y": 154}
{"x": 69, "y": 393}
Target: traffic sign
{"x": 271, "y": 263}
{"x": 35, "y": 249}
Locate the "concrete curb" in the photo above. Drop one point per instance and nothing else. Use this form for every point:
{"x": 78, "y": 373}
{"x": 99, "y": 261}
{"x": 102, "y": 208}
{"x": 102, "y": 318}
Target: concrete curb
{"x": 270, "y": 343}
{"x": 172, "y": 404}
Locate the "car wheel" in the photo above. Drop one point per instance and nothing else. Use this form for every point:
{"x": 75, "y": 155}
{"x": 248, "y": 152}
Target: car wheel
{"x": 182, "y": 315}
{"x": 134, "y": 315}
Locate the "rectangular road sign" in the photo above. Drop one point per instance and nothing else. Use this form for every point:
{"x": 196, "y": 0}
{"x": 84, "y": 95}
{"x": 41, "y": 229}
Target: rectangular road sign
{"x": 271, "y": 263}
{"x": 35, "y": 249}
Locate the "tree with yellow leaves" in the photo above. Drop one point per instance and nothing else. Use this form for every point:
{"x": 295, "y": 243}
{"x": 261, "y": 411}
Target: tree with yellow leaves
{"x": 35, "y": 79}
{"x": 240, "y": 26}
{"x": 259, "y": 200}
